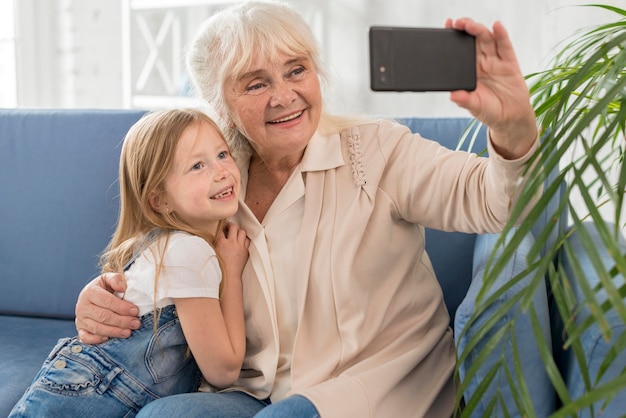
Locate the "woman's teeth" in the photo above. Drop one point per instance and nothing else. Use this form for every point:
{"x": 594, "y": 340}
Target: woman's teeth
{"x": 290, "y": 117}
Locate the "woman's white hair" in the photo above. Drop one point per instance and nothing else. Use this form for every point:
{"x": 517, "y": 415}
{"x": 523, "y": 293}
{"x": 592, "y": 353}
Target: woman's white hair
{"x": 229, "y": 41}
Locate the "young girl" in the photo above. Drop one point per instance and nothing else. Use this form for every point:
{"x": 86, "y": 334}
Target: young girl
{"x": 183, "y": 266}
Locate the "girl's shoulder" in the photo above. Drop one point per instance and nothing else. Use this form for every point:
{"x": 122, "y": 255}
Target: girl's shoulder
{"x": 182, "y": 237}
{"x": 185, "y": 248}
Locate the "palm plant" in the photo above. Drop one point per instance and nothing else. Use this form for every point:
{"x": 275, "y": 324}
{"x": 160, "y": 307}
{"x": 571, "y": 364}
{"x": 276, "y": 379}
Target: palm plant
{"x": 580, "y": 103}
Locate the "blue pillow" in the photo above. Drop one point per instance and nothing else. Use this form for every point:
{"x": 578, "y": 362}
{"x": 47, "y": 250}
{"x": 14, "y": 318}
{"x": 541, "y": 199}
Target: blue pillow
{"x": 499, "y": 391}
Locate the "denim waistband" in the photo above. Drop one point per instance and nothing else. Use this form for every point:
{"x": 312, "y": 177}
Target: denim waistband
{"x": 121, "y": 364}
{"x": 109, "y": 375}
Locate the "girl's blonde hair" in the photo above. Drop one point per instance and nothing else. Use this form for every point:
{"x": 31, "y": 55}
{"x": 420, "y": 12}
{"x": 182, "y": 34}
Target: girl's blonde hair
{"x": 146, "y": 158}
{"x": 230, "y": 41}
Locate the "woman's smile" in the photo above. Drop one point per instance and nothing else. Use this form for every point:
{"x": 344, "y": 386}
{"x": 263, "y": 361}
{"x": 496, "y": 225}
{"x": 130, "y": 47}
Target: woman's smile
{"x": 287, "y": 118}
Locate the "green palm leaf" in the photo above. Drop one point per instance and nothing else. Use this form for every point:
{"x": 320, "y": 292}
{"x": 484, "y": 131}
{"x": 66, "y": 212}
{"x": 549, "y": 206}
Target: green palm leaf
{"x": 580, "y": 103}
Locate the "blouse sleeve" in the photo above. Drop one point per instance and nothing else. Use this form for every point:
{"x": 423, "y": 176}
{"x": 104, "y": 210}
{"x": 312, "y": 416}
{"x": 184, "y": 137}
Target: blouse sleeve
{"x": 449, "y": 190}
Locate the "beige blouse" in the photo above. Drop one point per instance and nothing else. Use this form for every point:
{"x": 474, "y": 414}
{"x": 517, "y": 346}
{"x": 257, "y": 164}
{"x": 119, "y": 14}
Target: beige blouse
{"x": 338, "y": 289}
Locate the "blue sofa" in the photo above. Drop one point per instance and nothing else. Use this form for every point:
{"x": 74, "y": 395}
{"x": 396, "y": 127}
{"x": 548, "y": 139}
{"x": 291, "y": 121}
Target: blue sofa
{"x": 59, "y": 202}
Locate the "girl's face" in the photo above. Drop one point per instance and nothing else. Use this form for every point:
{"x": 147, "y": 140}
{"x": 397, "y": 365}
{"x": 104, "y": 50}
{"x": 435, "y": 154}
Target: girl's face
{"x": 277, "y": 104}
{"x": 203, "y": 184}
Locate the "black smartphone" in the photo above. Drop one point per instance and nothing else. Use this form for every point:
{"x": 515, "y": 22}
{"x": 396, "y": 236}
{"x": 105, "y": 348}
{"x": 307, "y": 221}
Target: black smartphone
{"x": 421, "y": 59}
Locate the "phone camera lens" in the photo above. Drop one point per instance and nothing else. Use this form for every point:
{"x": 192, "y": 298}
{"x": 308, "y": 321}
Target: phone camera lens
{"x": 382, "y": 76}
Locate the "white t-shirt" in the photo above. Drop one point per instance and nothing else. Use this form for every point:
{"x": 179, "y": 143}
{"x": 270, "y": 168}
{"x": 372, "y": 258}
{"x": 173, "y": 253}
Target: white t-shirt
{"x": 190, "y": 270}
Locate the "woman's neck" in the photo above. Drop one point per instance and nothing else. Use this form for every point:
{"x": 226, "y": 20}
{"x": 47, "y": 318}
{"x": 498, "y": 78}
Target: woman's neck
{"x": 265, "y": 181}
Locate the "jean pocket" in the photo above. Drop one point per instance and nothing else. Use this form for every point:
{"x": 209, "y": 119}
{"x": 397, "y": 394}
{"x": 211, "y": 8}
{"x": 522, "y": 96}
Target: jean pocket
{"x": 75, "y": 373}
{"x": 168, "y": 353}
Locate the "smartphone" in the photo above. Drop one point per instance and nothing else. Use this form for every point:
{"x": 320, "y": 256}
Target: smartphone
{"x": 421, "y": 59}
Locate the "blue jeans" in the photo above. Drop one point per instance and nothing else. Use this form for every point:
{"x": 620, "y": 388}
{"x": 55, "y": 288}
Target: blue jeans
{"x": 117, "y": 377}
{"x": 230, "y": 405}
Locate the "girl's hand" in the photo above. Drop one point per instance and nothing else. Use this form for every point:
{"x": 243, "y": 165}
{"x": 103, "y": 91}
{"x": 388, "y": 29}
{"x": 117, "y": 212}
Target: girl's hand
{"x": 232, "y": 246}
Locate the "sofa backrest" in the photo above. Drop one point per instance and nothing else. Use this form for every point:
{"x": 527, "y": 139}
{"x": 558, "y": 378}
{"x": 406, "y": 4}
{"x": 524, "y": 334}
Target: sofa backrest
{"x": 58, "y": 203}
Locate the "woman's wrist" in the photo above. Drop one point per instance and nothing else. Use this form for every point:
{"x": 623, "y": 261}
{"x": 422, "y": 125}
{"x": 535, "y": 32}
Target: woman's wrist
{"x": 513, "y": 145}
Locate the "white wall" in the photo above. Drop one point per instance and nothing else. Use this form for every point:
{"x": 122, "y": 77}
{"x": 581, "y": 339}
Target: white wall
{"x": 69, "y": 53}
{"x": 73, "y": 52}
{"x": 535, "y": 27}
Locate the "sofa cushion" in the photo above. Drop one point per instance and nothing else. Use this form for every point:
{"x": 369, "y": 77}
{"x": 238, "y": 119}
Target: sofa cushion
{"x": 539, "y": 385}
{"x": 26, "y": 343}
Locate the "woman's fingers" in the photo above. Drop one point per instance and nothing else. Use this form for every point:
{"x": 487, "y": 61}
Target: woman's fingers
{"x": 100, "y": 314}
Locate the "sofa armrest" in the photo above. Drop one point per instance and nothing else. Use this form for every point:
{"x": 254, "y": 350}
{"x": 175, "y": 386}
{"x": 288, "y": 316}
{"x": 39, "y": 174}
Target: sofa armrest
{"x": 594, "y": 344}
{"x": 499, "y": 393}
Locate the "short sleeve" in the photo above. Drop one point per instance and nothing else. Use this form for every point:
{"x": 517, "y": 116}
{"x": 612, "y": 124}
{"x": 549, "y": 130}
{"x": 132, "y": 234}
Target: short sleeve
{"x": 190, "y": 269}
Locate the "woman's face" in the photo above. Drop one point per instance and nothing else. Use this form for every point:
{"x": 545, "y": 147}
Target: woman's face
{"x": 277, "y": 104}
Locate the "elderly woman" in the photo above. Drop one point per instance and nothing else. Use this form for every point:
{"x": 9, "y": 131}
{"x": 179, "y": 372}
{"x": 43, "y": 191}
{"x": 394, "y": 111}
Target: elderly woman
{"x": 344, "y": 315}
